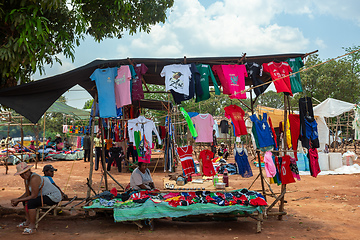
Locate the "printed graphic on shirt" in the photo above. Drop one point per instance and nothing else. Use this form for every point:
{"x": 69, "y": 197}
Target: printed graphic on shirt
{"x": 175, "y": 80}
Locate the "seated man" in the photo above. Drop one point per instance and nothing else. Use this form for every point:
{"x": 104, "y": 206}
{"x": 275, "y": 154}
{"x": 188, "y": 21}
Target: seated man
{"x": 49, "y": 173}
{"x": 222, "y": 151}
{"x": 141, "y": 178}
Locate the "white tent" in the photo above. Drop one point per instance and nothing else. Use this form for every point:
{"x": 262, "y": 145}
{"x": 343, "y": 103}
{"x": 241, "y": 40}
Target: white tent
{"x": 332, "y": 108}
{"x": 329, "y": 108}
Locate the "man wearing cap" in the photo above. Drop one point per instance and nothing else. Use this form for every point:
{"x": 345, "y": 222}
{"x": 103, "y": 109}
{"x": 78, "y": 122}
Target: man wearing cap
{"x": 49, "y": 173}
{"x": 38, "y": 191}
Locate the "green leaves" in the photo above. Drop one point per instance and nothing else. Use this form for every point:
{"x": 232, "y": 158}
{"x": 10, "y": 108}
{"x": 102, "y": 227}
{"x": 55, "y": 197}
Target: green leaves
{"x": 34, "y": 32}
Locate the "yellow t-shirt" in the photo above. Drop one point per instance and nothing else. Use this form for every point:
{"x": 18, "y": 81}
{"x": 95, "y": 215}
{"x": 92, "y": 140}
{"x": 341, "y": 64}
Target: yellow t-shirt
{"x": 97, "y": 142}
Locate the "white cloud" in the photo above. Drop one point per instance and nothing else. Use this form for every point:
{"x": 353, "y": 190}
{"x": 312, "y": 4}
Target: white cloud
{"x": 320, "y": 43}
{"x": 224, "y": 28}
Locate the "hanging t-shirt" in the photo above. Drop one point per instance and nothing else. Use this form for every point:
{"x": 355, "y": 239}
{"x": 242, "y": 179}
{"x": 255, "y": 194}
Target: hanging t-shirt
{"x": 205, "y": 74}
{"x": 236, "y": 114}
{"x": 295, "y": 79}
{"x": 104, "y": 79}
{"x": 286, "y": 174}
{"x": 177, "y": 78}
{"x": 217, "y": 69}
{"x": 263, "y": 131}
{"x": 137, "y": 89}
{"x": 235, "y": 76}
{"x": 314, "y": 162}
{"x": 253, "y": 70}
{"x": 270, "y": 168}
{"x": 216, "y": 128}
{"x": 186, "y": 159}
{"x": 207, "y": 166}
{"x": 122, "y": 86}
{"x": 189, "y": 122}
{"x": 204, "y": 127}
{"x": 278, "y": 70}
{"x": 194, "y": 86}
{"x": 224, "y": 126}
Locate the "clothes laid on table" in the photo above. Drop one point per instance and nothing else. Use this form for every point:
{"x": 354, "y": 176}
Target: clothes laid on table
{"x": 224, "y": 126}
{"x": 278, "y": 71}
{"x": 236, "y": 114}
{"x": 242, "y": 162}
{"x": 314, "y": 162}
{"x": 186, "y": 159}
{"x": 204, "y": 127}
{"x": 270, "y": 168}
{"x": 104, "y": 79}
{"x": 137, "y": 92}
{"x": 207, "y": 166}
{"x": 177, "y": 78}
{"x": 263, "y": 131}
{"x": 205, "y": 74}
{"x": 295, "y": 79}
{"x": 235, "y": 76}
{"x": 194, "y": 86}
{"x": 189, "y": 122}
{"x": 253, "y": 70}
{"x": 122, "y": 86}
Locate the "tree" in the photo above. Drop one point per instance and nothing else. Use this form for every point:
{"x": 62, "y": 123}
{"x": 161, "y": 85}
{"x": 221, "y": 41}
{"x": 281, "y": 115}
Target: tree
{"x": 335, "y": 79}
{"x": 88, "y": 104}
{"x": 33, "y": 33}
{"x": 271, "y": 99}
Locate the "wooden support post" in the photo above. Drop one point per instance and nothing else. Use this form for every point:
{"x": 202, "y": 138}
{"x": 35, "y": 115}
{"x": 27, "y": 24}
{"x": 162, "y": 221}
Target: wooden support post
{"x": 261, "y": 174}
{"x": 22, "y": 138}
{"x": 42, "y": 158}
{"x": 92, "y": 147}
{"x": 103, "y": 155}
{"x": 7, "y": 145}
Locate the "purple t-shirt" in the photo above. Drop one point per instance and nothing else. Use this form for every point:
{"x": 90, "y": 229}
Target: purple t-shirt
{"x": 137, "y": 90}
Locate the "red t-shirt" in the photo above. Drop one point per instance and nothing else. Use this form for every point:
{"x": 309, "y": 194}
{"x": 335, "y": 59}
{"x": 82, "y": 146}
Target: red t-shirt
{"x": 235, "y": 76}
{"x": 207, "y": 166}
{"x": 187, "y": 162}
{"x": 237, "y": 116}
{"x": 278, "y": 70}
{"x": 285, "y": 173}
{"x": 224, "y": 83}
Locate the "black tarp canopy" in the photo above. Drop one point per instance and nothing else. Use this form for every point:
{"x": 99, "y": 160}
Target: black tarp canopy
{"x": 33, "y": 99}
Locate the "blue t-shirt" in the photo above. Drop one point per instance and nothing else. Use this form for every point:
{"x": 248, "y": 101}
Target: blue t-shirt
{"x": 104, "y": 79}
{"x": 50, "y": 178}
{"x": 263, "y": 131}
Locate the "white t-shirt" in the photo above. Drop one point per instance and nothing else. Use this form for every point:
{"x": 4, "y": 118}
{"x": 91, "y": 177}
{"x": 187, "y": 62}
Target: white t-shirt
{"x": 145, "y": 126}
{"x": 138, "y": 178}
{"x": 177, "y": 78}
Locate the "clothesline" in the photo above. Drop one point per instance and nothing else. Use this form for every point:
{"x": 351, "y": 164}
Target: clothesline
{"x": 303, "y": 70}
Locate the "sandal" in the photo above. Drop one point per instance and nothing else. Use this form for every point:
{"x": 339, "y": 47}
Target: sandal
{"x": 29, "y": 231}
{"x": 23, "y": 224}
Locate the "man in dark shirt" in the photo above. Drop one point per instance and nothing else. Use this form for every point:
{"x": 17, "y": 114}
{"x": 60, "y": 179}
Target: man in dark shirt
{"x": 87, "y": 146}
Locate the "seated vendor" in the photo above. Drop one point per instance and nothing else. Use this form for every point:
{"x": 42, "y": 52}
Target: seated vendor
{"x": 222, "y": 151}
{"x": 58, "y": 143}
{"x": 141, "y": 178}
{"x": 32, "y": 145}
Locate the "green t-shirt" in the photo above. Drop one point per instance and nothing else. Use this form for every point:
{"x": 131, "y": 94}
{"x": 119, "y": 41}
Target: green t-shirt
{"x": 206, "y": 72}
{"x": 295, "y": 80}
{"x": 189, "y": 122}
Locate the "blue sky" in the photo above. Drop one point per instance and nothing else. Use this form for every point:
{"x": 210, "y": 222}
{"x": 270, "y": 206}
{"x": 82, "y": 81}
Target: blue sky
{"x": 229, "y": 28}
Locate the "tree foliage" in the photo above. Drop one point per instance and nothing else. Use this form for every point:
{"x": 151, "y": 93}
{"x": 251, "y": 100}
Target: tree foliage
{"x": 32, "y": 32}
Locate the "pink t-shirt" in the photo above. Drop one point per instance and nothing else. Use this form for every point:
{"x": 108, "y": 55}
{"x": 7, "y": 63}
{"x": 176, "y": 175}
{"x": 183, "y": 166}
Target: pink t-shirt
{"x": 122, "y": 86}
{"x": 137, "y": 90}
{"x": 204, "y": 127}
{"x": 235, "y": 76}
{"x": 269, "y": 165}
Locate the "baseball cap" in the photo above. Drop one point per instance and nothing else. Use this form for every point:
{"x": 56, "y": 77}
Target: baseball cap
{"x": 49, "y": 168}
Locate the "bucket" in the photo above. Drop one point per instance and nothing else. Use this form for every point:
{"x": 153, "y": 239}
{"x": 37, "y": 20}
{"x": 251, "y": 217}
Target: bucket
{"x": 335, "y": 160}
{"x": 324, "y": 161}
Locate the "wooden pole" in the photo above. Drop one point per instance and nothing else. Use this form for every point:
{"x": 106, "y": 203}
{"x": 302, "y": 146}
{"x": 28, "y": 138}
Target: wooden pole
{"x": 7, "y": 145}
{"x": 22, "y": 139}
{"x": 37, "y": 144}
{"x": 103, "y": 154}
{"x": 91, "y": 147}
{"x": 283, "y": 186}
{"x": 42, "y": 158}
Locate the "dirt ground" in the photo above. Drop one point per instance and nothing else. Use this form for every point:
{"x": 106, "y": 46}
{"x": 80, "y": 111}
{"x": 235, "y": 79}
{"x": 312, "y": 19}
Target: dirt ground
{"x": 326, "y": 207}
